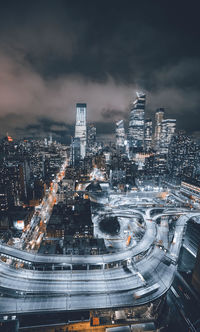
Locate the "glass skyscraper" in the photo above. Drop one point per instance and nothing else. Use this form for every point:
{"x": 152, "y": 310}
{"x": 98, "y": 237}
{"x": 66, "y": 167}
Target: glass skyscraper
{"x": 148, "y": 134}
{"x": 168, "y": 127}
{"x": 136, "y": 123}
{"x": 81, "y": 127}
{"x": 159, "y": 116}
{"x": 75, "y": 151}
{"x": 120, "y": 133}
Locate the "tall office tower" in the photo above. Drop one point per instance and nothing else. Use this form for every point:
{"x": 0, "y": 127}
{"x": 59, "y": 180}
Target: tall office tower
{"x": 159, "y": 116}
{"x": 120, "y": 134}
{"x": 91, "y": 136}
{"x": 168, "y": 128}
{"x": 81, "y": 127}
{"x": 75, "y": 151}
{"x": 136, "y": 123}
{"x": 148, "y": 129}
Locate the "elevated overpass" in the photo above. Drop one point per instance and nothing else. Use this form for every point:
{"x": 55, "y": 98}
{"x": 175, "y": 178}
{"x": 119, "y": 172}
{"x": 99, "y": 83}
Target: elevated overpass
{"x": 132, "y": 277}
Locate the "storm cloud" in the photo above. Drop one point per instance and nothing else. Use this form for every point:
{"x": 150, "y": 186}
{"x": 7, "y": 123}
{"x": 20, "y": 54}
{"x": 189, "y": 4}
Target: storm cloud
{"x": 54, "y": 54}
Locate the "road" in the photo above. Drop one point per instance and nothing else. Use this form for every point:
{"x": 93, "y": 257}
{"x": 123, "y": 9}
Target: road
{"x": 33, "y": 233}
{"x": 133, "y": 276}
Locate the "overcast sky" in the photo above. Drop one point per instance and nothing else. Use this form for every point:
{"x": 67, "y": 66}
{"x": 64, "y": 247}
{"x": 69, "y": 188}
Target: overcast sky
{"x": 56, "y": 53}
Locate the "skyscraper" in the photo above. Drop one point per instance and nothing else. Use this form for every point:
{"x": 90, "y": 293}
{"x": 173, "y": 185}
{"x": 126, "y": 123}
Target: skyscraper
{"x": 159, "y": 116}
{"x": 148, "y": 134}
{"x": 81, "y": 127}
{"x": 168, "y": 127}
{"x": 75, "y": 151}
{"x": 120, "y": 134}
{"x": 91, "y": 136}
{"x": 136, "y": 123}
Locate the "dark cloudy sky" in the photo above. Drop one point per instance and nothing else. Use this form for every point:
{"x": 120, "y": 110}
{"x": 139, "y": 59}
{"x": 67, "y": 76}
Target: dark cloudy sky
{"x": 56, "y": 53}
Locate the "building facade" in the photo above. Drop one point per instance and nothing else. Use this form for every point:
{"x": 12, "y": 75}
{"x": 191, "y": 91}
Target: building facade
{"x": 120, "y": 134}
{"x": 75, "y": 151}
{"x": 159, "y": 116}
{"x": 148, "y": 134}
{"x": 91, "y": 136}
{"x": 136, "y": 123}
{"x": 168, "y": 128}
{"x": 81, "y": 127}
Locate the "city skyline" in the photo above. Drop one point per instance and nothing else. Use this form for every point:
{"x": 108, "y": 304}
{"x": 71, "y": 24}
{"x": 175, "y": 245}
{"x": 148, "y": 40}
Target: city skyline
{"x": 53, "y": 55}
{"x": 129, "y": 209}
{"x": 99, "y": 166}
{"x": 68, "y": 130}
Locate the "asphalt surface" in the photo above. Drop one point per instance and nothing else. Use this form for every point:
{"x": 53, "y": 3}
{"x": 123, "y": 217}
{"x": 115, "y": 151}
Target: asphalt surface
{"x": 138, "y": 273}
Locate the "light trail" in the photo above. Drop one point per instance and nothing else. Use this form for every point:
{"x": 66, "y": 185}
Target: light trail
{"x": 34, "y": 232}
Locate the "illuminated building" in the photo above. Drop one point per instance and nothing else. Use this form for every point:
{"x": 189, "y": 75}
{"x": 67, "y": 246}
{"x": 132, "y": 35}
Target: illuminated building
{"x": 3, "y": 199}
{"x": 155, "y": 165}
{"x": 184, "y": 158}
{"x": 120, "y": 134}
{"x": 81, "y": 128}
{"x": 75, "y": 151}
{"x": 168, "y": 127}
{"x": 148, "y": 134}
{"x": 136, "y": 123}
{"x": 91, "y": 136}
{"x": 159, "y": 116}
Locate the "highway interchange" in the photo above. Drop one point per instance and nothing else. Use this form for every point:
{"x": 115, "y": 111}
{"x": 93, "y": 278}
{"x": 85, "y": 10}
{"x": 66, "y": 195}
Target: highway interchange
{"x": 135, "y": 275}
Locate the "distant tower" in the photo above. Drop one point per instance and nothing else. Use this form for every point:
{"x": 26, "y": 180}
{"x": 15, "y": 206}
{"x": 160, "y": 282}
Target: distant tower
{"x": 120, "y": 134}
{"x": 136, "y": 123}
{"x": 81, "y": 127}
{"x": 50, "y": 139}
{"x": 148, "y": 134}
{"x": 75, "y": 151}
{"x": 159, "y": 116}
{"x": 91, "y": 136}
{"x": 168, "y": 127}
